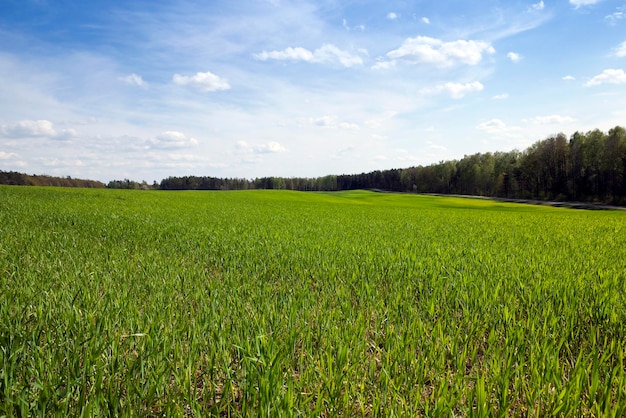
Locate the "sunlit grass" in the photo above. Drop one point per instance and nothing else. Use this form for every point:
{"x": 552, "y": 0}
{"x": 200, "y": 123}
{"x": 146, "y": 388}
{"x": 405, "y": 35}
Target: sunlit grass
{"x": 269, "y": 302}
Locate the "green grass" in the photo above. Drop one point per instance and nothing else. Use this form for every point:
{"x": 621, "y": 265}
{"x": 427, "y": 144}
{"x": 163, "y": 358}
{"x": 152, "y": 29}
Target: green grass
{"x": 268, "y": 303}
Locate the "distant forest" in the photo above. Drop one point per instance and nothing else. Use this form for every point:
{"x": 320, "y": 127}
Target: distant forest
{"x": 587, "y": 167}
{"x": 20, "y": 179}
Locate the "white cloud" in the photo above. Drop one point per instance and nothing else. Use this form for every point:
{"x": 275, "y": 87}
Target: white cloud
{"x": 514, "y": 56}
{"x": 455, "y": 90}
{"x": 392, "y": 16}
{"x": 427, "y": 50}
{"x": 134, "y": 80}
{"x": 609, "y": 76}
{"x": 330, "y": 53}
{"x": 620, "y": 51}
{"x": 552, "y": 120}
{"x": 271, "y": 147}
{"x": 7, "y": 155}
{"x": 202, "y": 81}
{"x": 384, "y": 65}
{"x": 36, "y": 129}
{"x": 579, "y": 3}
{"x": 381, "y": 120}
{"x": 327, "y": 53}
{"x": 613, "y": 18}
{"x": 295, "y": 54}
{"x": 537, "y": 6}
{"x": 501, "y": 96}
{"x": 172, "y": 139}
{"x": 324, "y": 121}
{"x": 433, "y": 146}
{"x": 426, "y": 20}
{"x": 569, "y": 78}
{"x": 498, "y": 127}
{"x": 331, "y": 122}
{"x": 348, "y": 28}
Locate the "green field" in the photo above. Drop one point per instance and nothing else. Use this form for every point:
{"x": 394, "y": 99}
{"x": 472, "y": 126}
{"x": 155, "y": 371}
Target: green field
{"x": 268, "y": 303}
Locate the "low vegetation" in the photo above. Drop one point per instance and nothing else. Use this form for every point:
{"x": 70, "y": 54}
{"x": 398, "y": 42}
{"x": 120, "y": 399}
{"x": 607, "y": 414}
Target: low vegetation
{"x": 117, "y": 302}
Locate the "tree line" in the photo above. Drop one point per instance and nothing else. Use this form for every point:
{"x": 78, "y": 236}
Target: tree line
{"x": 20, "y": 179}
{"x": 587, "y": 167}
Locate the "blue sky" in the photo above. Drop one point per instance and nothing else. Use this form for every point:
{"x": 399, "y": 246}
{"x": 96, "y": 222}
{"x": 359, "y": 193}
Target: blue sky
{"x": 145, "y": 90}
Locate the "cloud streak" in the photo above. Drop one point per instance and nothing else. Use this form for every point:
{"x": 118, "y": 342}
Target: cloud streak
{"x": 455, "y": 90}
{"x": 326, "y": 54}
{"x": 36, "y": 129}
{"x": 134, "y": 80}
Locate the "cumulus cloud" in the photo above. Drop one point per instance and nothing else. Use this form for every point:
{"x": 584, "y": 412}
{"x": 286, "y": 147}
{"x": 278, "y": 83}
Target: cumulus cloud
{"x": 501, "y": 96}
{"x": 327, "y": 53}
{"x": 455, "y": 90}
{"x": 552, "y": 120}
{"x": 392, "y": 16}
{"x": 172, "y": 139}
{"x": 36, "y": 129}
{"x": 579, "y": 3}
{"x": 426, "y": 20}
{"x": 609, "y": 76}
{"x": 569, "y": 78}
{"x": 134, "y": 80}
{"x": 205, "y": 82}
{"x": 271, "y": 147}
{"x": 498, "y": 127}
{"x": 427, "y": 50}
{"x": 514, "y": 56}
{"x": 620, "y": 51}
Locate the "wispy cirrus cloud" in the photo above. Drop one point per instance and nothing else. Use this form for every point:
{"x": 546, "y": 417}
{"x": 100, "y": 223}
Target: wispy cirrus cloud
{"x": 172, "y": 139}
{"x": 620, "y": 51}
{"x": 615, "y": 17}
{"x": 580, "y": 3}
{"x": 331, "y": 122}
{"x": 551, "y": 120}
{"x": 134, "y": 80}
{"x": 268, "y": 148}
{"x": 327, "y": 53}
{"x": 498, "y": 127}
{"x": 455, "y": 90}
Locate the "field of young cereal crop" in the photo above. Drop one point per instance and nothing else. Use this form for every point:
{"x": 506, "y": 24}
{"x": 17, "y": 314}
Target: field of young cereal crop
{"x": 269, "y": 303}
